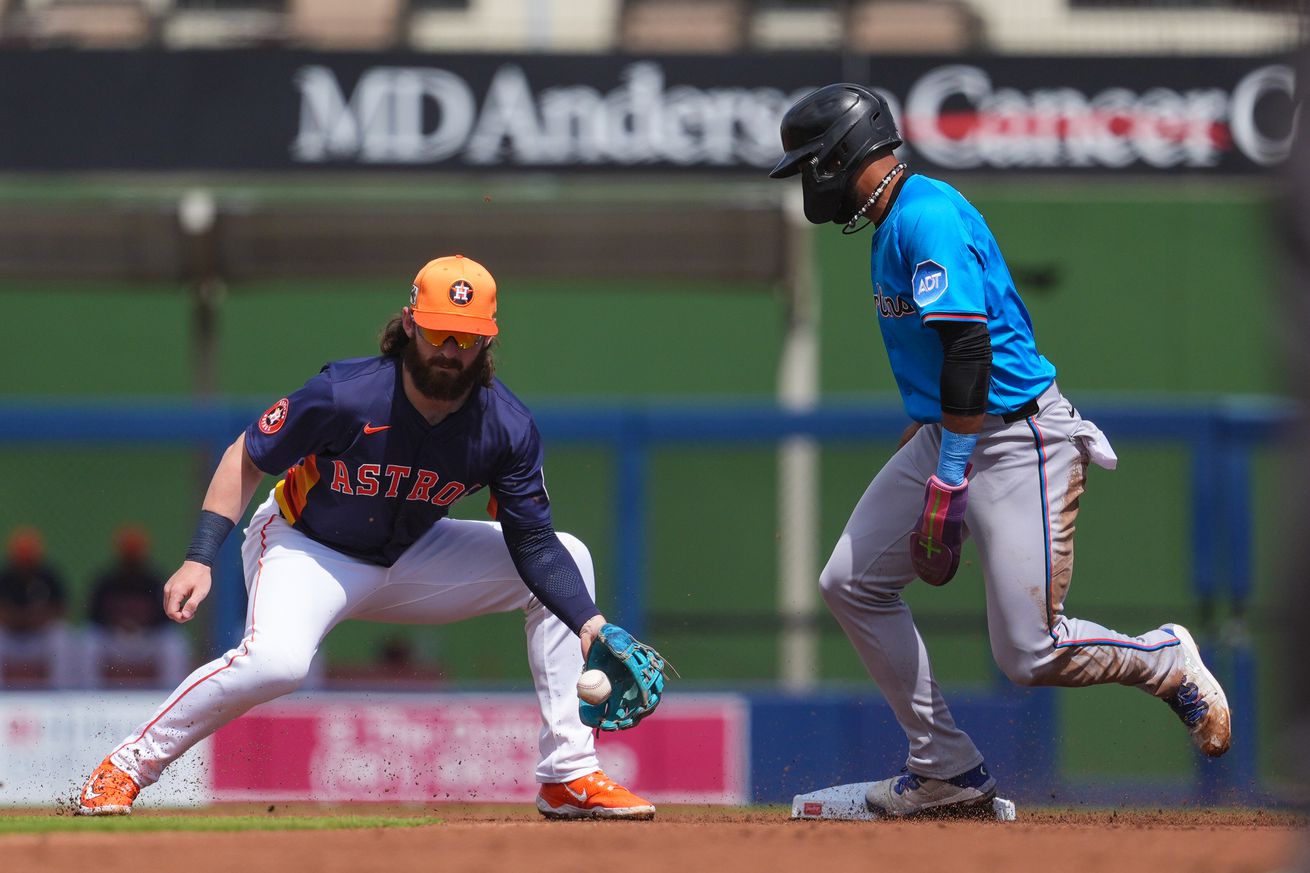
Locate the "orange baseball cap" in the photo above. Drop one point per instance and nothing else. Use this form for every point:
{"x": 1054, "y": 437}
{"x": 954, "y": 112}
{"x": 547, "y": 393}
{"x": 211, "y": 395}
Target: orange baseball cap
{"x": 455, "y": 293}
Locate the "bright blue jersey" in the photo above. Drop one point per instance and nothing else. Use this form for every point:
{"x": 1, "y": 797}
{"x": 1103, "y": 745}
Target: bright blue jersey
{"x": 934, "y": 259}
{"x": 367, "y": 475}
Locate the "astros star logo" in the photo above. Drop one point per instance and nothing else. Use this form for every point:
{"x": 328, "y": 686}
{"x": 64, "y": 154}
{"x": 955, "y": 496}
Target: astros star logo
{"x": 272, "y": 420}
{"x": 461, "y": 293}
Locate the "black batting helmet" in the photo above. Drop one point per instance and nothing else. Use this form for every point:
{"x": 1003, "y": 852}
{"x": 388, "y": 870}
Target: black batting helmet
{"x": 826, "y": 135}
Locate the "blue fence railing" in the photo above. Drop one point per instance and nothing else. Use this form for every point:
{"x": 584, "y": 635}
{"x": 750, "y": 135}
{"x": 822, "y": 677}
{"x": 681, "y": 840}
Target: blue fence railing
{"x": 1221, "y": 437}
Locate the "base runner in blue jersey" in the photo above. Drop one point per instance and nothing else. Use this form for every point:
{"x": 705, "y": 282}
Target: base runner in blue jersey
{"x": 371, "y": 453}
{"x": 994, "y": 453}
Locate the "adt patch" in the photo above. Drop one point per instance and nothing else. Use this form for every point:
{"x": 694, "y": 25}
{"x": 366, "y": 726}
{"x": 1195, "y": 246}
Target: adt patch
{"x": 929, "y": 282}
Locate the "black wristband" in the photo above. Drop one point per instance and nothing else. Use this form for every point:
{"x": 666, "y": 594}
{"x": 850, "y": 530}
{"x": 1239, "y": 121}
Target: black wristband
{"x": 211, "y": 530}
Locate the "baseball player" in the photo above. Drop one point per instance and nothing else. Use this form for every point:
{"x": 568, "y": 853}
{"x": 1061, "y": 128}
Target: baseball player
{"x": 994, "y": 452}
{"x": 372, "y": 452}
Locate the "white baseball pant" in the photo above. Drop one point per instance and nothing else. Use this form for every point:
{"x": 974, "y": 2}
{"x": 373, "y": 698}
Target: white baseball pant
{"x": 1023, "y": 500}
{"x": 299, "y": 589}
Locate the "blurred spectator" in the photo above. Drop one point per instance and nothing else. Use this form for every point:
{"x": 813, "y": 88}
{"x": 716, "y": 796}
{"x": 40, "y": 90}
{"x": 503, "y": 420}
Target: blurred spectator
{"x": 36, "y": 646}
{"x": 398, "y": 664}
{"x": 129, "y": 640}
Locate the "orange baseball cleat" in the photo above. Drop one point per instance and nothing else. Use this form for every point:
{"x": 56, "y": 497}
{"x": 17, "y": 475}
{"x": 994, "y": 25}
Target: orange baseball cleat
{"x": 592, "y": 796}
{"x": 109, "y": 791}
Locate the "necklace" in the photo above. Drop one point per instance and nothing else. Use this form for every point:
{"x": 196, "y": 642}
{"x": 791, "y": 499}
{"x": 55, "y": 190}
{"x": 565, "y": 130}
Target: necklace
{"x": 873, "y": 198}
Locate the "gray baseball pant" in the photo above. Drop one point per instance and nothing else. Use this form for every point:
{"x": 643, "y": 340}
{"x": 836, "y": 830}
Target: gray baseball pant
{"x": 1023, "y": 500}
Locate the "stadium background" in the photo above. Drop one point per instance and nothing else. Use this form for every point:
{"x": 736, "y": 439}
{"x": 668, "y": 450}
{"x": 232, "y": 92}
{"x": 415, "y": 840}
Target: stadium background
{"x": 1142, "y": 289}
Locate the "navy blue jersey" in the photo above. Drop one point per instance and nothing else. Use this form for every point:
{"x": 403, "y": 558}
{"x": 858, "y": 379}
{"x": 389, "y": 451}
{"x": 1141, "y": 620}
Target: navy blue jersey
{"x": 367, "y": 475}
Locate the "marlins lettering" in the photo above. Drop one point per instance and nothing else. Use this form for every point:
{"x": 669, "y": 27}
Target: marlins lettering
{"x": 892, "y": 307}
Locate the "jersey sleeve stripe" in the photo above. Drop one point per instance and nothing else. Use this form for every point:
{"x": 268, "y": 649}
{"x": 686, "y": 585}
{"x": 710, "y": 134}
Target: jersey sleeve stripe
{"x": 292, "y": 493}
{"x": 953, "y": 316}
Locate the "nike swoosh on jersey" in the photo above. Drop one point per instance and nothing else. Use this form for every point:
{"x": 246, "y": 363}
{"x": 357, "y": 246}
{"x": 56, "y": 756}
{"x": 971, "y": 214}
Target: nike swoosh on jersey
{"x": 368, "y": 428}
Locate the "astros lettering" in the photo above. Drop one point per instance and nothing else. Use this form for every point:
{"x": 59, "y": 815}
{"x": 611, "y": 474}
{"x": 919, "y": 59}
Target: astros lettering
{"x": 365, "y": 481}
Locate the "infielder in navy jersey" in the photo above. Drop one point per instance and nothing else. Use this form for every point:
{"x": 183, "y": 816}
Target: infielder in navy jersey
{"x": 994, "y": 453}
{"x": 371, "y": 454}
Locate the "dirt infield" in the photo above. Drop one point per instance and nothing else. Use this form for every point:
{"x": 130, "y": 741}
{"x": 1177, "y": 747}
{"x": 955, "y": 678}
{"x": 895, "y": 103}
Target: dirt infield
{"x": 685, "y": 840}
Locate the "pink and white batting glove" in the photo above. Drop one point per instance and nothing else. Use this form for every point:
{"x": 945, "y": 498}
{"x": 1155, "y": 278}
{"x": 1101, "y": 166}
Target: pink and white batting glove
{"x": 938, "y": 538}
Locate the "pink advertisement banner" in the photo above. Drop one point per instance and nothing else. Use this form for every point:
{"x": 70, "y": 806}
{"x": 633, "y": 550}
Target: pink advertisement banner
{"x": 467, "y": 748}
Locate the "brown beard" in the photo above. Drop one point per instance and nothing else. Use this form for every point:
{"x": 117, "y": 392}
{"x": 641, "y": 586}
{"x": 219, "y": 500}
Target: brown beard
{"x": 444, "y": 378}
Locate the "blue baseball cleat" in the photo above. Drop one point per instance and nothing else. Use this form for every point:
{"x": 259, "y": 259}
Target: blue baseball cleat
{"x": 969, "y": 794}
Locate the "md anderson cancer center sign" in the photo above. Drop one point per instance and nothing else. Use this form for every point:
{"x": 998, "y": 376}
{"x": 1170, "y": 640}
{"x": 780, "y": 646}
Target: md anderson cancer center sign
{"x": 288, "y": 110}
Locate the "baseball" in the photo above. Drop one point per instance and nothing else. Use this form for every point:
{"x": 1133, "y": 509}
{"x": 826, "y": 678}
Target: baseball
{"x": 594, "y": 686}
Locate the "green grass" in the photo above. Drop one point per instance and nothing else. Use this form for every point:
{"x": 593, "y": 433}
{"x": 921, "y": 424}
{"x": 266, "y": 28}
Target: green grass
{"x": 41, "y": 824}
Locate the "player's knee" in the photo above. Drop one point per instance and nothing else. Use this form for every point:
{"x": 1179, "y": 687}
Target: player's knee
{"x": 287, "y": 674}
{"x": 833, "y": 583}
{"x": 841, "y": 589}
{"x": 582, "y": 557}
{"x": 1021, "y": 668}
{"x": 279, "y": 669}
{"x": 837, "y": 584}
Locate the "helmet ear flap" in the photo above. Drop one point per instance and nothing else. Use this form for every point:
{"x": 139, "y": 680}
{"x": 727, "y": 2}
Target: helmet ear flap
{"x": 823, "y": 193}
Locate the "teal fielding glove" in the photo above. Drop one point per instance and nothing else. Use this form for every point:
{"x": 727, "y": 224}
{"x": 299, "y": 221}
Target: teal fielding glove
{"x": 636, "y": 674}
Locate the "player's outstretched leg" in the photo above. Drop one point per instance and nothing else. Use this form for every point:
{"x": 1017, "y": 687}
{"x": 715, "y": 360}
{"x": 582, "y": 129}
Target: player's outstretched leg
{"x": 1033, "y": 641}
{"x": 1199, "y": 699}
{"x": 298, "y": 590}
{"x": 908, "y": 795}
{"x": 213, "y": 695}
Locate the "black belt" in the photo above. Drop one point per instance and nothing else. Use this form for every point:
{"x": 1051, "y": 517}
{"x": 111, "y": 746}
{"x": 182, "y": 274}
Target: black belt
{"x": 1028, "y": 409}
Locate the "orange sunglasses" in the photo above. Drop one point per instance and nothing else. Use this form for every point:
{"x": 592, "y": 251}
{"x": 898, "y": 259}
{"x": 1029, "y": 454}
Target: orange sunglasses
{"x": 462, "y": 339}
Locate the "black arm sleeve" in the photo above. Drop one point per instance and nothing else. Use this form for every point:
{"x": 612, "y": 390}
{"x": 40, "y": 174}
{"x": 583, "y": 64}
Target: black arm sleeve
{"x": 550, "y": 573}
{"x": 967, "y": 368}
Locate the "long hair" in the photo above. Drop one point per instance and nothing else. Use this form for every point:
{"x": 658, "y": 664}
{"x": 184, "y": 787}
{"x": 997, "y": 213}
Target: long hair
{"x": 393, "y": 341}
